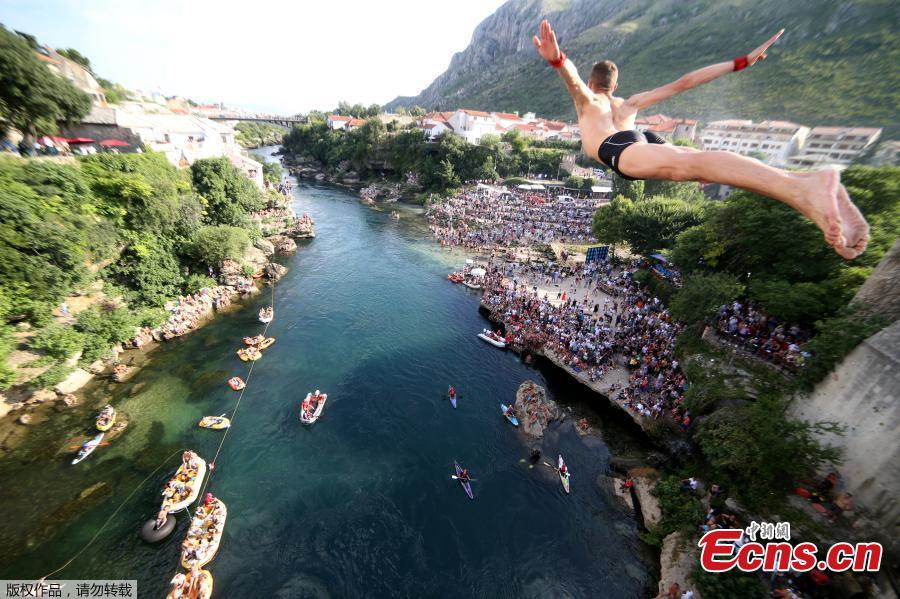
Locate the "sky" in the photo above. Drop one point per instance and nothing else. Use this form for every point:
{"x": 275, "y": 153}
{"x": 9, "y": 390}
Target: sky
{"x": 283, "y": 57}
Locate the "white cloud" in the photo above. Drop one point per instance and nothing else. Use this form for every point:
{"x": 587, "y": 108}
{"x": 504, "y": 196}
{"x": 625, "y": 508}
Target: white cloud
{"x": 285, "y": 56}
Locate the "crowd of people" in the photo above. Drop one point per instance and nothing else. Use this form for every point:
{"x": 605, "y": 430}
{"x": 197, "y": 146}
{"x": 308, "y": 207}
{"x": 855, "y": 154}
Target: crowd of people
{"x": 186, "y": 314}
{"x": 614, "y": 320}
{"x": 764, "y": 336}
{"x": 487, "y": 219}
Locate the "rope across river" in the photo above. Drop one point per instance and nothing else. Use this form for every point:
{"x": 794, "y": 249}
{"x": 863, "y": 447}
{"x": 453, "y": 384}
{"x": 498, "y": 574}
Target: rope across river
{"x": 166, "y": 460}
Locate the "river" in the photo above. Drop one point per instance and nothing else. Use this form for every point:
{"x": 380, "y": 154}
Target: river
{"x": 360, "y": 504}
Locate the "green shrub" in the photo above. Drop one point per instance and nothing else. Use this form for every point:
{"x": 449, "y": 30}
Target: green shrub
{"x": 700, "y": 297}
{"x": 103, "y": 329}
{"x": 197, "y": 282}
{"x": 58, "y": 341}
{"x": 214, "y": 244}
{"x": 51, "y": 377}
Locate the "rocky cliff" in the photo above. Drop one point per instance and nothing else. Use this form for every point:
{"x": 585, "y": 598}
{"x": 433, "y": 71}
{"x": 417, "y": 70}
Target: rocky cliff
{"x": 828, "y": 68}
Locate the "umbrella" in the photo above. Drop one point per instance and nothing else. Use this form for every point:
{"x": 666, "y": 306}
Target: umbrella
{"x": 80, "y": 140}
{"x": 114, "y": 143}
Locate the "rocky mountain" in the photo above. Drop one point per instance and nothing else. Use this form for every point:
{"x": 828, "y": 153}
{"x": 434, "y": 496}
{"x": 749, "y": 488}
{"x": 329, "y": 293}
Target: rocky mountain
{"x": 835, "y": 64}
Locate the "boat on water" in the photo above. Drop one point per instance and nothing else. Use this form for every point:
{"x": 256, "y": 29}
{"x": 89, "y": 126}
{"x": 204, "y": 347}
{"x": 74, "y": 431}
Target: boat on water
{"x": 215, "y": 422}
{"x": 88, "y": 448}
{"x": 106, "y": 419}
{"x": 493, "y": 338}
{"x": 255, "y": 340}
{"x": 395, "y": 215}
{"x": 511, "y": 417}
{"x": 266, "y": 343}
{"x": 466, "y": 485}
{"x": 451, "y": 393}
{"x": 249, "y": 354}
{"x": 184, "y": 487}
{"x": 266, "y": 315}
{"x": 185, "y": 587}
{"x": 563, "y": 471}
{"x": 311, "y": 407}
{"x": 203, "y": 537}
{"x": 471, "y": 284}
{"x": 456, "y": 277}
{"x": 236, "y": 383}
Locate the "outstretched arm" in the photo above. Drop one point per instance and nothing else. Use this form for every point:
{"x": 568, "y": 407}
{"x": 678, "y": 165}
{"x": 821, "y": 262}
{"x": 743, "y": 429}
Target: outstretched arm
{"x": 549, "y": 50}
{"x": 699, "y": 77}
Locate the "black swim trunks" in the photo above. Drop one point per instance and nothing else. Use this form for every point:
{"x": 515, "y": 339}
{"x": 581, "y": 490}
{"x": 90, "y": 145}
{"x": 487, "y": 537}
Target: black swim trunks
{"x": 616, "y": 143}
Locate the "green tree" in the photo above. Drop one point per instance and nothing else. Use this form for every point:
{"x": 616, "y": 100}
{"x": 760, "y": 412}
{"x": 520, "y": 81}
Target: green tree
{"x": 701, "y": 296}
{"x": 32, "y": 98}
{"x": 678, "y": 190}
{"x": 633, "y": 190}
{"x": 609, "y": 220}
{"x": 228, "y": 195}
{"x": 653, "y": 224}
{"x": 149, "y": 270}
{"x": 417, "y": 111}
{"x": 213, "y": 245}
{"x": 75, "y": 56}
{"x": 400, "y": 110}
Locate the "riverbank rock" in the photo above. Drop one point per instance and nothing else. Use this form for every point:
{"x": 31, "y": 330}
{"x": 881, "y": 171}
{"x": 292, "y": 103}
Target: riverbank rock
{"x": 265, "y": 246}
{"x": 644, "y": 481}
{"x": 677, "y": 561}
{"x": 69, "y": 400}
{"x": 117, "y": 429}
{"x": 534, "y": 409}
{"x": 284, "y": 246}
{"x": 275, "y": 271}
{"x": 75, "y": 381}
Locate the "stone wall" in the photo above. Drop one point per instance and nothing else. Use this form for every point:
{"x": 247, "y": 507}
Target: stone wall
{"x": 863, "y": 394}
{"x": 882, "y": 289}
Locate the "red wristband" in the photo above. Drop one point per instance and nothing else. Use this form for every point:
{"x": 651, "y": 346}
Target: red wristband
{"x": 740, "y": 63}
{"x": 559, "y": 62}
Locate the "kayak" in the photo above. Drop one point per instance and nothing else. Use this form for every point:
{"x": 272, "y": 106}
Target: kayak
{"x": 253, "y": 340}
{"x": 453, "y": 400}
{"x": 236, "y": 383}
{"x": 491, "y": 338}
{"x": 181, "y": 586}
{"x": 564, "y": 478}
{"x": 215, "y": 422}
{"x": 88, "y": 448}
{"x": 311, "y": 415}
{"x": 106, "y": 418}
{"x": 465, "y": 485}
{"x": 267, "y": 342}
{"x": 513, "y": 419}
{"x": 203, "y": 521}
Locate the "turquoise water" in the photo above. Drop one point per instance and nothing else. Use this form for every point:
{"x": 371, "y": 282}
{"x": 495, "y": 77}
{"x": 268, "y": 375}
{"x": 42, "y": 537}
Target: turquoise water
{"x": 360, "y": 504}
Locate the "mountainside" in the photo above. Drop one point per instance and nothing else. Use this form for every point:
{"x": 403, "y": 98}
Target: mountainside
{"x": 835, "y": 64}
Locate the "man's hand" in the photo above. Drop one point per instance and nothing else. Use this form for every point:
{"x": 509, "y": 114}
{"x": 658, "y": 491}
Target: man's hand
{"x": 760, "y": 53}
{"x": 546, "y": 45}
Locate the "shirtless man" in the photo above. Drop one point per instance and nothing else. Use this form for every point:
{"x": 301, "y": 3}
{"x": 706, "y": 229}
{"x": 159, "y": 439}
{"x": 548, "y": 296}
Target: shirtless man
{"x": 608, "y": 136}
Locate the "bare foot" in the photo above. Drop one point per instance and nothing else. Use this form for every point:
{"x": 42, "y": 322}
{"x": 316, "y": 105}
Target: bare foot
{"x": 820, "y": 204}
{"x": 854, "y": 227}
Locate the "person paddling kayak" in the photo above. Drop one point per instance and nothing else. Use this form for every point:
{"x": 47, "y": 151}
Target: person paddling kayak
{"x": 451, "y": 392}
{"x": 510, "y": 411}
{"x": 464, "y": 475}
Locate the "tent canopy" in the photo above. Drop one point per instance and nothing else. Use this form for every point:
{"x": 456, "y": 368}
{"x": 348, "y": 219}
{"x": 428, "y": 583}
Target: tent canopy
{"x": 478, "y": 272}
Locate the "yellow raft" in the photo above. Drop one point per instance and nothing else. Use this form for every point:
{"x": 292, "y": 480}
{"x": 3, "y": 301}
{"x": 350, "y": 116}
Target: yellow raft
{"x": 184, "y": 587}
{"x": 250, "y": 354}
{"x": 106, "y": 419}
{"x": 265, "y": 343}
{"x": 215, "y": 422}
{"x": 253, "y": 340}
{"x": 207, "y": 525}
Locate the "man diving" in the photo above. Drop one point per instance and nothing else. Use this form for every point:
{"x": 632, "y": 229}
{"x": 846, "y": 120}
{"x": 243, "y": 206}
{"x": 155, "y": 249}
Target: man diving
{"x": 608, "y": 136}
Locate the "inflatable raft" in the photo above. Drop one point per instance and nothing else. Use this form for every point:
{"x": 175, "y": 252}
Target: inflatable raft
{"x": 236, "y": 383}
{"x": 204, "y": 535}
{"x": 266, "y": 343}
{"x": 266, "y": 315}
{"x": 253, "y": 340}
{"x": 215, "y": 422}
{"x": 184, "y": 587}
{"x": 107, "y": 418}
{"x": 492, "y": 338}
{"x": 188, "y": 478}
{"x": 311, "y": 407}
{"x": 250, "y": 354}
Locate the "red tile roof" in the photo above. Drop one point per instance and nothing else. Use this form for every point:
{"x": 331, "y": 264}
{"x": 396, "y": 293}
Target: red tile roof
{"x": 507, "y": 116}
{"x": 357, "y": 122}
{"x": 475, "y": 112}
{"x": 337, "y": 117}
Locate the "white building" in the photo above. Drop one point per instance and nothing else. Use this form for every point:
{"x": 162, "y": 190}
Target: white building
{"x": 471, "y": 125}
{"x": 774, "y": 140}
{"x": 668, "y": 128}
{"x": 835, "y": 146}
{"x": 336, "y": 121}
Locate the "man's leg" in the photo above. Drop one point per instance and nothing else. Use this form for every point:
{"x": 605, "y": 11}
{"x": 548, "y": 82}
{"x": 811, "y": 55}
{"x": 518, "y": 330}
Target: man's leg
{"x": 817, "y": 195}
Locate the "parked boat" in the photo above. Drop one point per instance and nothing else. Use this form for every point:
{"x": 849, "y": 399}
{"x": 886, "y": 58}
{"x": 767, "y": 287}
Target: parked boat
{"x": 107, "y": 418}
{"x": 455, "y": 277}
{"x": 185, "y": 587}
{"x": 184, "y": 487}
{"x": 493, "y": 338}
{"x": 203, "y": 537}
{"x": 255, "y": 340}
{"x": 266, "y": 343}
{"x": 236, "y": 383}
{"x": 311, "y": 407}
{"x": 215, "y": 422}
{"x": 249, "y": 354}
{"x": 471, "y": 284}
{"x": 88, "y": 448}
{"x": 266, "y": 315}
